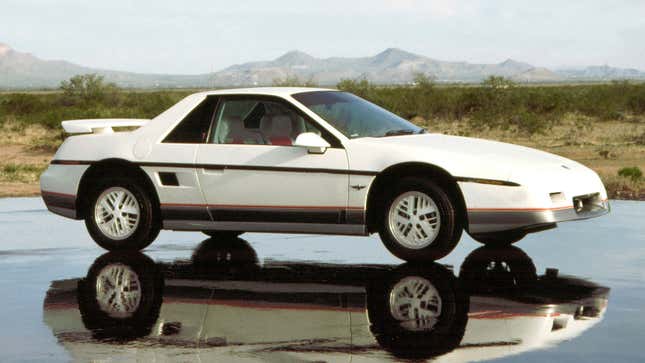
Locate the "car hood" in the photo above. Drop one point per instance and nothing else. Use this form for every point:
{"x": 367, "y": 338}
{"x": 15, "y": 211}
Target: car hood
{"x": 466, "y": 156}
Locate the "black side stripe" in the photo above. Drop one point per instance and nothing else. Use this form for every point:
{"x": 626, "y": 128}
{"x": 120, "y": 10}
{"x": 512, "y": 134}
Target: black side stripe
{"x": 259, "y": 168}
{"x": 280, "y": 169}
{"x": 230, "y": 167}
{"x": 486, "y": 181}
{"x": 71, "y": 162}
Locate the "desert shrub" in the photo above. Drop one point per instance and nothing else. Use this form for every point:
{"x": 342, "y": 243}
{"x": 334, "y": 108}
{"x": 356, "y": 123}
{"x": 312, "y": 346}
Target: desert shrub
{"x": 360, "y": 87}
{"x": 82, "y": 100}
{"x": 633, "y": 172}
{"x": 85, "y": 88}
{"x": 498, "y": 82}
{"x": 22, "y": 103}
{"x": 497, "y": 103}
{"x": 529, "y": 122}
{"x": 636, "y": 100}
{"x": 294, "y": 81}
{"x": 501, "y": 103}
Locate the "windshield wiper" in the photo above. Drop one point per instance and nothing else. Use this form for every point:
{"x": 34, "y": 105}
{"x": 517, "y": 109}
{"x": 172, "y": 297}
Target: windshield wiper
{"x": 404, "y": 132}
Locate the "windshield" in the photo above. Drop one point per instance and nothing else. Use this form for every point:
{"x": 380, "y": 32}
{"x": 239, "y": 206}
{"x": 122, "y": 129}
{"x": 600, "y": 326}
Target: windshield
{"x": 355, "y": 117}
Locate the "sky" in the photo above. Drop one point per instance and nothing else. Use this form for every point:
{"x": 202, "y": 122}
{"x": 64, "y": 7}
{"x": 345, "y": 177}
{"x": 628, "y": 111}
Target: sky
{"x": 191, "y": 37}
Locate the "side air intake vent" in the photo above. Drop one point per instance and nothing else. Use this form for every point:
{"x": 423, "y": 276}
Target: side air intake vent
{"x": 168, "y": 179}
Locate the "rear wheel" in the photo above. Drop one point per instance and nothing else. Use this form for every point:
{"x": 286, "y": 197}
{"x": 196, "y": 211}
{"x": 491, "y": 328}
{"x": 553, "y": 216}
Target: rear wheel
{"x": 121, "y": 216}
{"x": 419, "y": 221}
{"x": 121, "y": 296}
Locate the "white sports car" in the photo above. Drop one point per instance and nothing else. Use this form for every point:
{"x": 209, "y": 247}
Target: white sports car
{"x": 304, "y": 160}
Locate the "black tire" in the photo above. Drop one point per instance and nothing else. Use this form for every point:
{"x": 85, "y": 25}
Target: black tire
{"x": 499, "y": 239}
{"x": 222, "y": 234}
{"x": 406, "y": 340}
{"x": 497, "y": 270}
{"x": 147, "y": 229}
{"x": 232, "y": 257}
{"x": 450, "y": 227}
{"x": 139, "y": 323}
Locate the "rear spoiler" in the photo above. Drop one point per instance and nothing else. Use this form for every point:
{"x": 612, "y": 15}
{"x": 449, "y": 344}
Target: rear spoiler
{"x": 100, "y": 126}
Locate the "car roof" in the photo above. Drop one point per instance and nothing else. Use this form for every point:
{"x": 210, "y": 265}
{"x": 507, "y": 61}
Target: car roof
{"x": 269, "y": 91}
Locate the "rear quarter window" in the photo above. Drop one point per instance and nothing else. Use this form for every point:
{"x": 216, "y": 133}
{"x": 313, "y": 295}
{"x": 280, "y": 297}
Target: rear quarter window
{"x": 193, "y": 129}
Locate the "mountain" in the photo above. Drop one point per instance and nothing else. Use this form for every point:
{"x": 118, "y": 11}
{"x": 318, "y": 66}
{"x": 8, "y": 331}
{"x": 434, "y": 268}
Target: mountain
{"x": 601, "y": 73}
{"x": 538, "y": 74}
{"x": 24, "y": 70}
{"x": 391, "y": 66}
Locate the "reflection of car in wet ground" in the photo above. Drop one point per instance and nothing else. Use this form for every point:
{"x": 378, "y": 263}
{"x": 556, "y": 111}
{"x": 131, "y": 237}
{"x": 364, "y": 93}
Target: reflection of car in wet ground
{"x": 222, "y": 302}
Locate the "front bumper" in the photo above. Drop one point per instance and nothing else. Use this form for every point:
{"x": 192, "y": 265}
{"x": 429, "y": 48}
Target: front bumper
{"x": 546, "y": 195}
{"x": 496, "y": 220}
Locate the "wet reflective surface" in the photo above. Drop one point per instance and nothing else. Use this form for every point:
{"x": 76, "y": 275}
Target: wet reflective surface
{"x": 574, "y": 293}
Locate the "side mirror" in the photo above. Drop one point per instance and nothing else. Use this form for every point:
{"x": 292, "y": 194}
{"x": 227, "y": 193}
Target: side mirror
{"x": 313, "y": 142}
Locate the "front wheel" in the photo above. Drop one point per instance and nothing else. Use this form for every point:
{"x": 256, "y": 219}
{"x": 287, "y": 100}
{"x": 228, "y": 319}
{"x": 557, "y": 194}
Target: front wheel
{"x": 418, "y": 311}
{"x": 419, "y": 221}
{"x": 222, "y": 234}
{"x": 121, "y": 216}
{"x": 499, "y": 239}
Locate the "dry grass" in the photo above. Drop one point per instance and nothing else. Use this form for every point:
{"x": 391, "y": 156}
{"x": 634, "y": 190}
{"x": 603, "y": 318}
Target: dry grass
{"x": 24, "y": 157}
{"x": 21, "y": 173}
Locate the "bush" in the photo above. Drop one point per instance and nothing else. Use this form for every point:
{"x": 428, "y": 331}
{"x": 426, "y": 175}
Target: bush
{"x": 500, "y": 103}
{"x": 497, "y": 103}
{"x": 636, "y": 100}
{"x": 87, "y": 88}
{"x": 634, "y": 173}
{"x": 360, "y": 87}
{"x": 294, "y": 81}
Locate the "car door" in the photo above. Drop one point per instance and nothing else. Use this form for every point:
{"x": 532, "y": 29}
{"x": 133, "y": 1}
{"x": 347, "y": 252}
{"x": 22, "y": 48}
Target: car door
{"x": 169, "y": 164}
{"x": 254, "y": 178}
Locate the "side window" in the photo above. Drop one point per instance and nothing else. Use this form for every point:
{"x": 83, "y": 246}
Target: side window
{"x": 258, "y": 122}
{"x": 194, "y": 127}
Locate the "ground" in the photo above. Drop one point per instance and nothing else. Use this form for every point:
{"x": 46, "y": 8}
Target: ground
{"x": 38, "y": 247}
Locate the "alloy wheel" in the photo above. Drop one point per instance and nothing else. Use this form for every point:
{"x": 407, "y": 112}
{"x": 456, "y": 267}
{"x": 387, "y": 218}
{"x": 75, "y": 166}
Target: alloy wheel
{"x": 414, "y": 220}
{"x": 117, "y": 213}
{"x": 118, "y": 290}
{"x": 416, "y": 303}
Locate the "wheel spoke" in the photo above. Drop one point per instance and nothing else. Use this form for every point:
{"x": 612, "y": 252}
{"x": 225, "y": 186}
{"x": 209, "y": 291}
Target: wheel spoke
{"x": 427, "y": 210}
{"x": 426, "y": 228}
{"x": 106, "y": 205}
{"x": 402, "y": 219}
{"x": 118, "y": 199}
